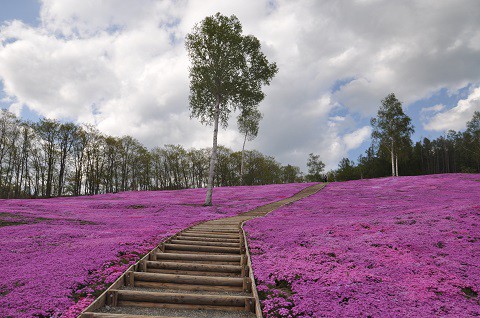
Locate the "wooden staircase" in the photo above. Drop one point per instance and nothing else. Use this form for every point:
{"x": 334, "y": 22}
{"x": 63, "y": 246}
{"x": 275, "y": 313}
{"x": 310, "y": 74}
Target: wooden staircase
{"x": 202, "y": 271}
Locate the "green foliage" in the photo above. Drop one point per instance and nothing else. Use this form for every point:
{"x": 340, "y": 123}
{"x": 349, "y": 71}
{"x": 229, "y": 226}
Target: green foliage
{"x": 452, "y": 153}
{"x": 261, "y": 169}
{"x": 473, "y": 128}
{"x": 346, "y": 170}
{"x": 291, "y": 174}
{"x": 80, "y": 160}
{"x": 227, "y": 72}
{"x": 227, "y": 68}
{"x": 392, "y": 130}
{"x": 315, "y": 168}
{"x": 248, "y": 123}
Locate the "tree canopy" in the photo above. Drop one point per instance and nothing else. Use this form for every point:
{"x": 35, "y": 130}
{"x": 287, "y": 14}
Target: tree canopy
{"x": 227, "y": 72}
{"x": 392, "y": 130}
{"x": 315, "y": 168}
{"x": 248, "y": 124}
{"x": 49, "y": 158}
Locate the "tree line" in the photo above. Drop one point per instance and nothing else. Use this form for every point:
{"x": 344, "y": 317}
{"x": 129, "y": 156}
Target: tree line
{"x": 392, "y": 149}
{"x": 49, "y": 158}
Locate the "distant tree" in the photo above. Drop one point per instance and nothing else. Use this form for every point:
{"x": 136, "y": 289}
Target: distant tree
{"x": 261, "y": 169}
{"x": 473, "y": 128}
{"x": 392, "y": 129}
{"x": 65, "y": 140}
{"x": 291, "y": 174}
{"x": 48, "y": 131}
{"x": 346, "y": 170}
{"x": 315, "y": 168}
{"x": 227, "y": 72}
{"x": 248, "y": 123}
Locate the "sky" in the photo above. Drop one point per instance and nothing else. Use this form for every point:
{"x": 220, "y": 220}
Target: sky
{"x": 122, "y": 66}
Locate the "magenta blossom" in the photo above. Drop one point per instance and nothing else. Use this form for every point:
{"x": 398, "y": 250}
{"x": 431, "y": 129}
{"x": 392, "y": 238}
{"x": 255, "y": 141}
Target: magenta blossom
{"x": 391, "y": 247}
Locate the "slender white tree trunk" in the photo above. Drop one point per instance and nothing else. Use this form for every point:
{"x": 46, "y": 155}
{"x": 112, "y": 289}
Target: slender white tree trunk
{"x": 243, "y": 160}
{"x": 393, "y": 161}
{"x": 213, "y": 157}
{"x": 396, "y": 165}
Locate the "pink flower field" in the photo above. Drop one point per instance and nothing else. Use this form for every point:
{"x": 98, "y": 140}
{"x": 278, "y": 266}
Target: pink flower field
{"x": 57, "y": 254}
{"x": 392, "y": 247}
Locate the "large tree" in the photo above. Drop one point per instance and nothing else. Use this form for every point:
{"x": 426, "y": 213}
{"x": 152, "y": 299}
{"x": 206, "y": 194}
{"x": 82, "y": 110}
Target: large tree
{"x": 227, "y": 72}
{"x": 392, "y": 129}
{"x": 473, "y": 128}
{"x": 315, "y": 168}
{"x": 248, "y": 123}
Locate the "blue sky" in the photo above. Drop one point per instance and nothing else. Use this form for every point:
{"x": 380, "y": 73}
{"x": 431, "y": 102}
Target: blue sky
{"x": 27, "y": 11}
{"x": 122, "y": 66}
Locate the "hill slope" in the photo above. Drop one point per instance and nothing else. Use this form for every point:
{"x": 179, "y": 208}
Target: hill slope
{"x": 392, "y": 247}
{"x": 57, "y": 251}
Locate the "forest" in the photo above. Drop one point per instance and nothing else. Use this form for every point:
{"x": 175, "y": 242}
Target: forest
{"x": 49, "y": 158}
{"x": 455, "y": 152}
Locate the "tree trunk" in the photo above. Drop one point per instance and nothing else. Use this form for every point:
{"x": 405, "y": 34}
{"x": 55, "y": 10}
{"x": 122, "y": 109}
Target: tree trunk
{"x": 213, "y": 157}
{"x": 63, "y": 161}
{"x": 396, "y": 165}
{"x": 393, "y": 161}
{"x": 242, "y": 164}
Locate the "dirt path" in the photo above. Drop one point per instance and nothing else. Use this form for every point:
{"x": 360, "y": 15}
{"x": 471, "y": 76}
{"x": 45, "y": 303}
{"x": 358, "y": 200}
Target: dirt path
{"x": 202, "y": 271}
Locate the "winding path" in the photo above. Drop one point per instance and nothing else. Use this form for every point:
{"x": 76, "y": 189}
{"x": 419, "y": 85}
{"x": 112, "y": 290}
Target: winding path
{"x": 202, "y": 271}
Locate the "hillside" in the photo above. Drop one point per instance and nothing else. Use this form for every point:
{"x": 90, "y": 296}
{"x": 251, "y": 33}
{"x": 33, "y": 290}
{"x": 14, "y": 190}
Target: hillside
{"x": 57, "y": 251}
{"x": 390, "y": 247}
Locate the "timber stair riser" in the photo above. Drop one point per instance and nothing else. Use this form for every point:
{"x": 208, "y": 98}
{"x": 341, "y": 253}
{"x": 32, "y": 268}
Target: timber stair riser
{"x": 199, "y": 257}
{"x": 216, "y": 229}
{"x": 215, "y": 234}
{"x": 187, "y": 279}
{"x": 197, "y": 248}
{"x": 209, "y": 235}
{"x": 102, "y": 315}
{"x": 206, "y": 239}
{"x": 205, "y": 243}
{"x": 205, "y": 267}
{"x": 173, "y": 298}
{"x": 197, "y": 273}
{"x": 194, "y": 267}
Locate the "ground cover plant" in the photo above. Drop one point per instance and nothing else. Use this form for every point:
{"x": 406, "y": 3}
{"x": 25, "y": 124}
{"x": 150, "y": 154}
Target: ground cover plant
{"x": 57, "y": 254}
{"x": 391, "y": 247}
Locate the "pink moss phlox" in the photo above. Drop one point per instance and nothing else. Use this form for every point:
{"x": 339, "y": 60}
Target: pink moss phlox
{"x": 57, "y": 254}
{"x": 391, "y": 247}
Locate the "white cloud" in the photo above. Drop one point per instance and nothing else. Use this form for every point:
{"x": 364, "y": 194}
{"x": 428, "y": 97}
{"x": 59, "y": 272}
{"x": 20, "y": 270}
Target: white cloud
{"x": 122, "y": 65}
{"x": 456, "y": 117}
{"x": 433, "y": 109}
{"x": 355, "y": 139}
{"x": 15, "y": 108}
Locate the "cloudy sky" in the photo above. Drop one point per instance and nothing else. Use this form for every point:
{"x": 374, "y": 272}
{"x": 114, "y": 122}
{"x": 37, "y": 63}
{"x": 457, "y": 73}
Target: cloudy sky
{"x": 122, "y": 65}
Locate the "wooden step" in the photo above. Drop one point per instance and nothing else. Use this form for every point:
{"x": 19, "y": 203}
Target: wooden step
{"x": 175, "y": 300}
{"x": 196, "y": 234}
{"x": 110, "y": 315}
{"x": 207, "y": 239}
{"x": 189, "y": 282}
{"x": 206, "y": 249}
{"x": 218, "y": 228}
{"x": 196, "y": 273}
{"x": 195, "y": 267}
{"x": 215, "y": 230}
{"x": 210, "y": 258}
{"x": 205, "y": 243}
{"x": 187, "y": 279}
{"x": 235, "y": 222}
{"x": 189, "y": 275}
